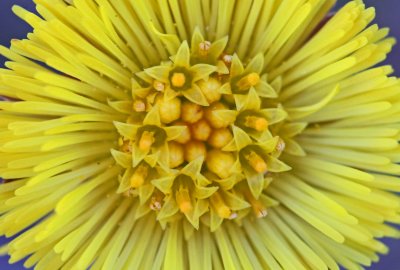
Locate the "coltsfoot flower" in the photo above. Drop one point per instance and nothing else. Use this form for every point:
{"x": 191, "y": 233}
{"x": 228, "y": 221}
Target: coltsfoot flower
{"x": 198, "y": 134}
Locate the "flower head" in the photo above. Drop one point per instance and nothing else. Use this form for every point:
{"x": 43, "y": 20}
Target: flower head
{"x": 198, "y": 134}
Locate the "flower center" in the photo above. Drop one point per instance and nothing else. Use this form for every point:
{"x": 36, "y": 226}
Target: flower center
{"x": 198, "y": 143}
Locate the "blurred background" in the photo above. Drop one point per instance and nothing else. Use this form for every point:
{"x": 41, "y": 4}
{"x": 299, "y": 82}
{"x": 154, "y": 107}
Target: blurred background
{"x": 387, "y": 16}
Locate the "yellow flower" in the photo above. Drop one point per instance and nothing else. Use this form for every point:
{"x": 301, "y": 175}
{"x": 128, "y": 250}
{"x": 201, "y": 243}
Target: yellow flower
{"x": 198, "y": 134}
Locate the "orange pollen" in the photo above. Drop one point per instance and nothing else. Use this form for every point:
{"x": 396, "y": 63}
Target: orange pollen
{"x": 257, "y": 123}
{"x": 139, "y": 176}
{"x": 248, "y": 81}
{"x": 257, "y": 163}
{"x": 146, "y": 141}
{"x": 183, "y": 200}
{"x": 178, "y": 79}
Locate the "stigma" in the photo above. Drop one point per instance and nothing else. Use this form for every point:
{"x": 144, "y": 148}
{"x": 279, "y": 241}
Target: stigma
{"x": 248, "y": 81}
{"x": 256, "y": 162}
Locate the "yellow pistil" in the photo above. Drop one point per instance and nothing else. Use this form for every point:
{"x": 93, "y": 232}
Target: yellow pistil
{"x": 210, "y": 89}
{"x": 256, "y": 162}
{"x": 248, "y": 81}
{"x": 257, "y": 123}
{"x": 182, "y": 197}
{"x": 204, "y": 48}
{"x": 178, "y": 79}
{"x": 159, "y": 86}
{"x": 139, "y": 106}
{"x": 191, "y": 112}
{"x": 194, "y": 149}
{"x": 146, "y": 141}
{"x": 201, "y": 130}
{"x": 139, "y": 176}
{"x": 176, "y": 154}
{"x": 185, "y": 136}
{"x": 220, "y": 162}
{"x": 259, "y": 209}
{"x": 220, "y": 137}
{"x": 220, "y": 207}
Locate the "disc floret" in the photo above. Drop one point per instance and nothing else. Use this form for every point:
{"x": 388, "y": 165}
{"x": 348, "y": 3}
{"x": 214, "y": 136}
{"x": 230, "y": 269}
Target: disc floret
{"x": 203, "y": 140}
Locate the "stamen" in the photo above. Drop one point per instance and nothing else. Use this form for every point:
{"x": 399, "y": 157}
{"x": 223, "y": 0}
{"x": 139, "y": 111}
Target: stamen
{"x": 201, "y": 130}
{"x": 139, "y": 106}
{"x": 257, "y": 123}
{"x": 220, "y": 207}
{"x": 139, "y": 176}
{"x": 194, "y": 149}
{"x": 183, "y": 200}
{"x": 178, "y": 79}
{"x": 256, "y": 162}
{"x": 248, "y": 81}
{"x": 191, "y": 112}
{"x": 146, "y": 141}
{"x": 159, "y": 86}
{"x": 204, "y": 48}
{"x": 259, "y": 209}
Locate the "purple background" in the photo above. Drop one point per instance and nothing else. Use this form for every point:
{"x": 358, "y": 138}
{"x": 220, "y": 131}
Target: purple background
{"x": 387, "y": 15}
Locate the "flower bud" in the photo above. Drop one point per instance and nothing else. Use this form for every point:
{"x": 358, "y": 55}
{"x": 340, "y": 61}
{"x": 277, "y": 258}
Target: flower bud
{"x": 176, "y": 154}
{"x": 185, "y": 135}
{"x": 210, "y": 89}
{"x": 220, "y": 137}
{"x": 191, "y": 112}
{"x": 194, "y": 149}
{"x": 170, "y": 110}
{"x": 201, "y": 130}
{"x": 220, "y": 162}
{"x": 216, "y": 122}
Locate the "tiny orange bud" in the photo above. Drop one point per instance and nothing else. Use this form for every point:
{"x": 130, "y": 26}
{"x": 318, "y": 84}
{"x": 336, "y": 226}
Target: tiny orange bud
{"x": 220, "y": 162}
{"x": 201, "y": 130}
{"x": 220, "y": 137}
{"x": 216, "y": 122}
{"x": 194, "y": 149}
{"x": 191, "y": 112}
{"x": 176, "y": 154}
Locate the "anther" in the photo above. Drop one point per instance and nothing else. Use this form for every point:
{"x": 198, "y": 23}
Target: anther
{"x": 183, "y": 200}
{"x": 257, "y": 123}
{"x": 204, "y": 48}
{"x": 146, "y": 141}
{"x": 139, "y": 176}
{"x": 220, "y": 207}
{"x": 258, "y": 208}
{"x": 178, "y": 79}
{"x": 159, "y": 86}
{"x": 256, "y": 162}
{"x": 248, "y": 81}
